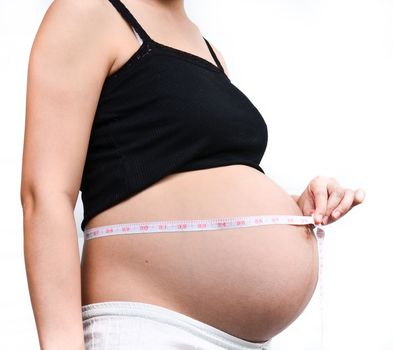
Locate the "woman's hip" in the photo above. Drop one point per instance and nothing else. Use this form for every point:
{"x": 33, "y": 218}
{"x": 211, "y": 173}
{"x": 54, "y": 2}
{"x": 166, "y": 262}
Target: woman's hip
{"x": 119, "y": 325}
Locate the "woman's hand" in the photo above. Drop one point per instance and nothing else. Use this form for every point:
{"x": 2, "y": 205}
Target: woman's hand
{"x": 328, "y": 200}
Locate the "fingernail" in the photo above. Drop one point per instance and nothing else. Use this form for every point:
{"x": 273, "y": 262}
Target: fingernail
{"x": 336, "y": 214}
{"x": 325, "y": 220}
{"x": 319, "y": 217}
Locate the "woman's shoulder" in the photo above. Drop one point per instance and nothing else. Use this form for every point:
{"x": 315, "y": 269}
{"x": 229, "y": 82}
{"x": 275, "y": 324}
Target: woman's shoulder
{"x": 73, "y": 35}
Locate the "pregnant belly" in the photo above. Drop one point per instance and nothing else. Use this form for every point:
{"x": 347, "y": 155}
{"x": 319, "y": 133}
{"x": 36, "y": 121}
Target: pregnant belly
{"x": 251, "y": 282}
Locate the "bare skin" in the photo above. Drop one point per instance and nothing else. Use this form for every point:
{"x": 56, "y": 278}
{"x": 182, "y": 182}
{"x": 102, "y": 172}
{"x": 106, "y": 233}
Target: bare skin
{"x": 250, "y": 282}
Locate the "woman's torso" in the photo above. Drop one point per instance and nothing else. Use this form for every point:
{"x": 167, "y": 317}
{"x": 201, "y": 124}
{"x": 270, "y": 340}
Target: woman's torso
{"x": 251, "y": 282}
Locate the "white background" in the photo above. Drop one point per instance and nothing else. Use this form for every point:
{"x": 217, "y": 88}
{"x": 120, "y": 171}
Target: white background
{"x": 321, "y": 74}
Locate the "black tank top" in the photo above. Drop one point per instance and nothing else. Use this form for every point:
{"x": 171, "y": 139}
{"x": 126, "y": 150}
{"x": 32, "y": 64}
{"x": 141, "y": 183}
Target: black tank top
{"x": 165, "y": 111}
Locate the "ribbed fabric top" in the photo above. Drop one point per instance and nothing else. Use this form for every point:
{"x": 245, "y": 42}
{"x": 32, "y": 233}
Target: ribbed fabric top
{"x": 165, "y": 111}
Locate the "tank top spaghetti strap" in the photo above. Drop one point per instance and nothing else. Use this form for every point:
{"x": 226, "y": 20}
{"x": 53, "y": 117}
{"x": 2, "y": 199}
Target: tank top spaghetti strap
{"x": 130, "y": 18}
{"x": 165, "y": 111}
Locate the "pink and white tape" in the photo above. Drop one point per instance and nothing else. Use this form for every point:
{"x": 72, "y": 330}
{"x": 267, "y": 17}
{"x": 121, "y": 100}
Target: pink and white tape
{"x": 196, "y": 225}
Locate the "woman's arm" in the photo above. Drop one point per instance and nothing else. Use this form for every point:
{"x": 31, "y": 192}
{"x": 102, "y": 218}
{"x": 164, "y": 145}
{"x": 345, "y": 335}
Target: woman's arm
{"x": 67, "y": 66}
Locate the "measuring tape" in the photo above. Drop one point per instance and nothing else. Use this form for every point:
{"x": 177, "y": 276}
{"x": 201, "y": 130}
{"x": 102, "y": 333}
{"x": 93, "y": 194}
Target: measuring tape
{"x": 197, "y": 225}
{"x": 219, "y": 224}
{"x": 320, "y": 235}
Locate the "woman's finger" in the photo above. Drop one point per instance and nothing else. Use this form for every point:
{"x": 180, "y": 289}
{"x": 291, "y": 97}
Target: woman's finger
{"x": 336, "y": 194}
{"x": 318, "y": 187}
{"x": 345, "y": 204}
{"x": 359, "y": 196}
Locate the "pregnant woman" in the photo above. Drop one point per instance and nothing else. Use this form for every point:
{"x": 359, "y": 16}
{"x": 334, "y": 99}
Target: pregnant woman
{"x": 129, "y": 103}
